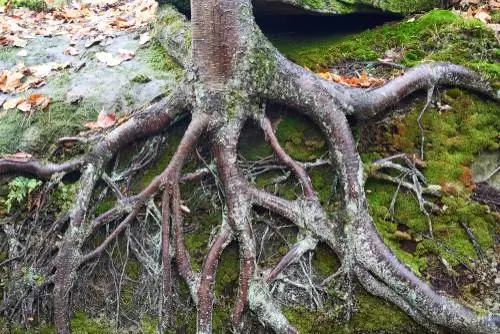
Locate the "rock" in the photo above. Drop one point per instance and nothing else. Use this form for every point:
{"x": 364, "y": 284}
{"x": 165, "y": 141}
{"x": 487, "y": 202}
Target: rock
{"x": 83, "y": 90}
{"x": 345, "y": 6}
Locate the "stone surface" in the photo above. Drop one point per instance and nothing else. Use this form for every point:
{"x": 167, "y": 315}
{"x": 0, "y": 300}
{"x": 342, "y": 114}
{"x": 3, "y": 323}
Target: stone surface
{"x": 349, "y": 6}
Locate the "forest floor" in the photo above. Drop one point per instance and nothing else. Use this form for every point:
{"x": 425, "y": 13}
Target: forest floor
{"x": 88, "y": 68}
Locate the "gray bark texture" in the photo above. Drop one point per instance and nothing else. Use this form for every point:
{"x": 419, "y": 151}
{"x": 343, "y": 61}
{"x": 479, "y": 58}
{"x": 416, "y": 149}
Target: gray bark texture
{"x": 231, "y": 72}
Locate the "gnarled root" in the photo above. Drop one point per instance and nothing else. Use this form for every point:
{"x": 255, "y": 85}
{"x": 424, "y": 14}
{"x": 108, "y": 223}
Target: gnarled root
{"x": 351, "y": 234}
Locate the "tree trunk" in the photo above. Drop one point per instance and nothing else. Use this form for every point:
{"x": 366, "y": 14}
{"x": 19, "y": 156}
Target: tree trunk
{"x": 232, "y": 71}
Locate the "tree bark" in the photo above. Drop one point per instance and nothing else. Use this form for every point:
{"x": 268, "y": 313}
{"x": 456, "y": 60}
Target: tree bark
{"x": 232, "y": 70}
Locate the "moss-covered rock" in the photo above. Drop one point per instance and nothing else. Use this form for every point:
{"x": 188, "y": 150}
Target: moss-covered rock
{"x": 78, "y": 96}
{"x": 439, "y": 35}
{"x": 339, "y": 6}
{"x": 348, "y": 6}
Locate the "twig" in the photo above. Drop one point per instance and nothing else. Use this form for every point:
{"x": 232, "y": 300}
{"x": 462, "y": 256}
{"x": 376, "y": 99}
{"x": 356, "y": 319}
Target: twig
{"x": 430, "y": 92}
{"x": 473, "y": 239}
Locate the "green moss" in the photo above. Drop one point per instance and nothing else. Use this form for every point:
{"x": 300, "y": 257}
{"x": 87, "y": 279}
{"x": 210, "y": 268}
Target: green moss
{"x": 16, "y": 329}
{"x": 226, "y": 286}
{"x": 64, "y": 196}
{"x": 81, "y": 324}
{"x": 141, "y": 78}
{"x": 252, "y": 145}
{"x": 157, "y": 58}
{"x": 453, "y": 139}
{"x": 437, "y": 36}
{"x": 36, "y": 134}
{"x": 374, "y": 315}
{"x": 8, "y": 54}
{"x": 182, "y": 5}
{"x": 173, "y": 139}
{"x": 325, "y": 262}
{"x": 495, "y": 16}
{"x": 348, "y": 6}
{"x": 37, "y": 5}
{"x": 149, "y": 325}
{"x": 11, "y": 125}
{"x": 301, "y": 139}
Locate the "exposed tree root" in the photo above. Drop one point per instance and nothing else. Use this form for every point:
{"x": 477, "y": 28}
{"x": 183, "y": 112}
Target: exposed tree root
{"x": 225, "y": 89}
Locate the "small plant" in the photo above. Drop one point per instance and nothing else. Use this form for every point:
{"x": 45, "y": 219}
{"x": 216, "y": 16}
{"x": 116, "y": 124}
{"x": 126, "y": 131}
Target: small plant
{"x": 19, "y": 189}
{"x": 37, "y": 5}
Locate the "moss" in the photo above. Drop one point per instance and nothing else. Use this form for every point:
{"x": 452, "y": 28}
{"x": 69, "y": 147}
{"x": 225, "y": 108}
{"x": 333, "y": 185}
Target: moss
{"x": 81, "y": 324}
{"x": 325, "y": 262}
{"x": 173, "y": 139}
{"x": 196, "y": 242}
{"x": 301, "y": 139}
{"x": 64, "y": 196}
{"x": 437, "y": 36}
{"x": 453, "y": 139}
{"x": 141, "y": 78}
{"x": 156, "y": 57}
{"x": 495, "y": 16}
{"x": 36, "y": 134}
{"x": 11, "y": 125}
{"x": 225, "y": 288}
{"x": 16, "y": 329}
{"x": 252, "y": 145}
{"x": 182, "y": 5}
{"x": 8, "y": 54}
{"x": 37, "y": 5}
{"x": 149, "y": 325}
{"x": 107, "y": 204}
{"x": 128, "y": 298}
{"x": 374, "y": 315}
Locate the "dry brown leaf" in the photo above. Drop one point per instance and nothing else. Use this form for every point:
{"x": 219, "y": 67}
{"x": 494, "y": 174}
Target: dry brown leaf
{"x": 483, "y": 17}
{"x": 12, "y": 103}
{"x": 104, "y": 57}
{"x": 41, "y": 71}
{"x": 126, "y": 54}
{"x": 19, "y": 42}
{"x": 103, "y": 121}
{"x": 24, "y": 106}
{"x": 71, "y": 51}
{"x": 144, "y": 38}
{"x": 362, "y": 82}
{"x": 10, "y": 82}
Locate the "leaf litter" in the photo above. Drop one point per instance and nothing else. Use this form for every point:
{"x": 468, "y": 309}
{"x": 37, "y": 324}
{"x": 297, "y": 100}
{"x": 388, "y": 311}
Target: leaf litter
{"x": 96, "y": 23}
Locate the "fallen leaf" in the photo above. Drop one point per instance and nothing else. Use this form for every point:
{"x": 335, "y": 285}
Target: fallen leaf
{"x": 104, "y": 57}
{"x": 103, "y": 121}
{"x": 93, "y": 41}
{"x": 40, "y": 71}
{"x": 9, "y": 82}
{"x": 71, "y": 51}
{"x": 12, "y": 103}
{"x": 185, "y": 209}
{"x": 24, "y": 106}
{"x": 483, "y": 17}
{"x": 144, "y": 38}
{"x": 19, "y": 42}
